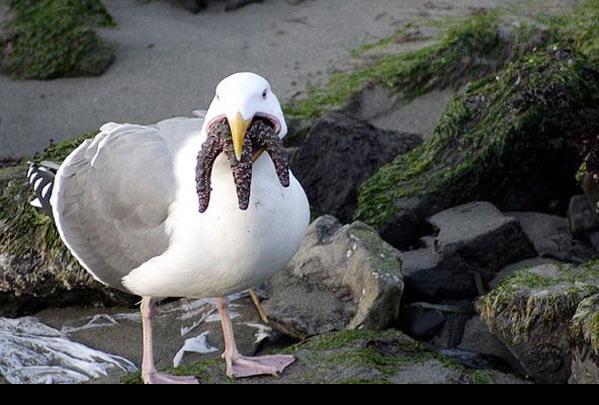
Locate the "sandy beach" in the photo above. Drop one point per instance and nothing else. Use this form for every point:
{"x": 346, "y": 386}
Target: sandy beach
{"x": 169, "y": 61}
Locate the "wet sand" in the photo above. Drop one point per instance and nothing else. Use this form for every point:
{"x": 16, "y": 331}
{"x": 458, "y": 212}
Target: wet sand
{"x": 169, "y": 61}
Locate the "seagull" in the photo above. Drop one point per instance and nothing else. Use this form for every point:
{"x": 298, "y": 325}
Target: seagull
{"x": 128, "y": 206}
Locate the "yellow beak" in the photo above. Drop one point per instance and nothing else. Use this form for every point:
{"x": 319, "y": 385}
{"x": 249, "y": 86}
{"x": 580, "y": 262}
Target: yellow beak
{"x": 239, "y": 128}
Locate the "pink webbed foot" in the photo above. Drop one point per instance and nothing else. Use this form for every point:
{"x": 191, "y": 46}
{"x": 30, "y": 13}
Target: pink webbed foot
{"x": 243, "y": 367}
{"x": 165, "y": 379}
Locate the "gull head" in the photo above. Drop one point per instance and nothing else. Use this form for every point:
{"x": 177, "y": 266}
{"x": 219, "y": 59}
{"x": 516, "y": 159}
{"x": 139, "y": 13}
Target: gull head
{"x": 244, "y": 120}
{"x": 241, "y": 99}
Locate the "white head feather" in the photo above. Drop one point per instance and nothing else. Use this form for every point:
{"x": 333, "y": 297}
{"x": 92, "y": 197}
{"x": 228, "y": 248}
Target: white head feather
{"x": 249, "y": 95}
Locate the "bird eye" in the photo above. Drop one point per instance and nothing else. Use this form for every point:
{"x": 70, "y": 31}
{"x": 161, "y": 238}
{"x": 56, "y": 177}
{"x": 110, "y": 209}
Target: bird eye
{"x": 265, "y": 94}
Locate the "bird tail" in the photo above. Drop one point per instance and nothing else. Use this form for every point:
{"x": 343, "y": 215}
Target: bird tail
{"x": 41, "y": 176}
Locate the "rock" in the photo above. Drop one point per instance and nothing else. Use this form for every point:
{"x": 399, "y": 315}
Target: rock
{"x": 457, "y": 315}
{"x": 587, "y": 181}
{"x": 421, "y": 323}
{"x": 95, "y": 62}
{"x": 359, "y": 357}
{"x": 550, "y": 234}
{"x": 62, "y": 41}
{"x": 36, "y": 269}
{"x": 474, "y": 240}
{"x": 509, "y": 270}
{"x": 531, "y": 313}
{"x": 477, "y": 338}
{"x": 552, "y": 238}
{"x": 498, "y": 141}
{"x": 581, "y": 216}
{"x": 349, "y": 151}
{"x": 343, "y": 277}
{"x": 384, "y": 109}
{"x": 585, "y": 341}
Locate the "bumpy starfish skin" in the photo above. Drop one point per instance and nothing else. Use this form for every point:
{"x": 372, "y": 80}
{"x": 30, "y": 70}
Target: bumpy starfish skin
{"x": 264, "y": 137}
{"x": 260, "y": 136}
{"x": 206, "y": 158}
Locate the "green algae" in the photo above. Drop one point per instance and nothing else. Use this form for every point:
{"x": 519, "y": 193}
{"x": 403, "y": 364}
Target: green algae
{"x": 347, "y": 357}
{"x": 501, "y": 128}
{"x": 469, "y": 50}
{"x": 48, "y": 39}
{"x": 529, "y": 298}
{"x": 585, "y": 325}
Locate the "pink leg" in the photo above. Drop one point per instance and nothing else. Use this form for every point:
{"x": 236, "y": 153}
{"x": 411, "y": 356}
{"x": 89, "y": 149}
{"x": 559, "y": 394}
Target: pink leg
{"x": 239, "y": 366}
{"x": 148, "y": 370}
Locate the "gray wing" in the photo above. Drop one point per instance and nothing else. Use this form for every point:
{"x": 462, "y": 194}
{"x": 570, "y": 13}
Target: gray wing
{"x": 112, "y": 195}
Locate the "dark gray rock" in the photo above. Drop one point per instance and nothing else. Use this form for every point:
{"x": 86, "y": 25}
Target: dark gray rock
{"x": 581, "y": 216}
{"x": 531, "y": 313}
{"x": 457, "y": 314}
{"x": 552, "y": 238}
{"x": 474, "y": 242}
{"x": 480, "y": 235}
{"x": 477, "y": 338}
{"x": 550, "y": 234}
{"x": 338, "y": 154}
{"x": 585, "y": 342}
{"x": 343, "y": 277}
{"x": 421, "y": 323}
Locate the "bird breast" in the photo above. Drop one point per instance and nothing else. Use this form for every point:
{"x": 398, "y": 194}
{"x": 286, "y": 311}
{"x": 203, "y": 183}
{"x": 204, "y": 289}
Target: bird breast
{"x": 225, "y": 250}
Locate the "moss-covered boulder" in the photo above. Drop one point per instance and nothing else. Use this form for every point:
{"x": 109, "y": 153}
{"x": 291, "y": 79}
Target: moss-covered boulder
{"x": 357, "y": 357}
{"x": 531, "y": 313}
{"x": 36, "y": 269}
{"x": 585, "y": 341}
{"x": 48, "y": 39}
{"x": 510, "y": 139}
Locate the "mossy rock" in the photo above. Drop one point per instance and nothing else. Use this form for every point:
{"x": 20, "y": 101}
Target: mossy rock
{"x": 585, "y": 341}
{"x": 579, "y": 27}
{"x": 48, "y": 39}
{"x": 531, "y": 313}
{"x": 36, "y": 268}
{"x": 356, "y": 357}
{"x": 509, "y": 139}
{"x": 469, "y": 50}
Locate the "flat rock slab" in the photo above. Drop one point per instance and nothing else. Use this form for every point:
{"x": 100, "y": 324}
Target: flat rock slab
{"x": 531, "y": 313}
{"x": 343, "y": 277}
{"x": 359, "y": 357}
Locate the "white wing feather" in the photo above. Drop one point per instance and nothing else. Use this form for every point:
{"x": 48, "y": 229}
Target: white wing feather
{"x": 112, "y": 196}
